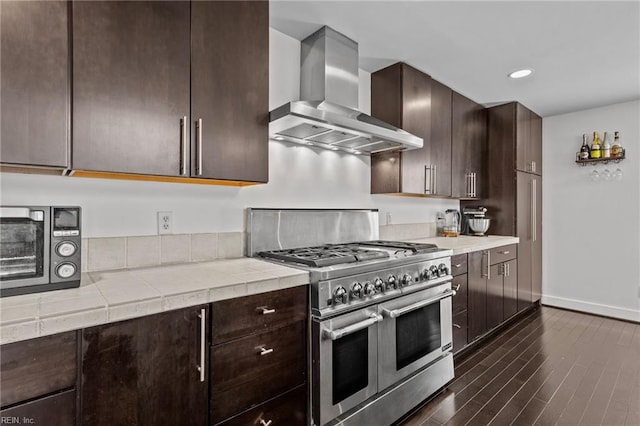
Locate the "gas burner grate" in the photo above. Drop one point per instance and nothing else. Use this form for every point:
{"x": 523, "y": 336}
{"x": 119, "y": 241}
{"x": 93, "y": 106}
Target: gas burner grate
{"x": 401, "y": 246}
{"x": 325, "y": 255}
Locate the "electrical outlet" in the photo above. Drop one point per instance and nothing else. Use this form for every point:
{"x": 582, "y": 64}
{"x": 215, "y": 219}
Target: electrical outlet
{"x": 165, "y": 223}
{"x": 388, "y": 218}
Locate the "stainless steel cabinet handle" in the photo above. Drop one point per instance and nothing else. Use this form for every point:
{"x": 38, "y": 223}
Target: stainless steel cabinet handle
{"x": 435, "y": 178}
{"x": 457, "y": 288}
{"x": 262, "y": 351}
{"x": 341, "y": 332}
{"x": 203, "y": 326}
{"x": 427, "y": 172}
{"x": 467, "y": 181}
{"x": 183, "y": 146}
{"x": 457, "y": 325}
{"x": 264, "y": 310}
{"x": 457, "y": 265}
{"x": 395, "y": 313}
{"x": 534, "y": 208}
{"x": 504, "y": 252}
{"x": 508, "y": 269}
{"x": 267, "y": 423}
{"x": 475, "y": 185}
{"x": 533, "y": 166}
{"x": 199, "y": 147}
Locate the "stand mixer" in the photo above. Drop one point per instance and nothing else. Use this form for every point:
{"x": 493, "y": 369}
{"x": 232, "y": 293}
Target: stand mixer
{"x": 474, "y": 221}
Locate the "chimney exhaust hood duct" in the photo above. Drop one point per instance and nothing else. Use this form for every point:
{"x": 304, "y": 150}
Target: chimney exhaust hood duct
{"x": 327, "y": 115}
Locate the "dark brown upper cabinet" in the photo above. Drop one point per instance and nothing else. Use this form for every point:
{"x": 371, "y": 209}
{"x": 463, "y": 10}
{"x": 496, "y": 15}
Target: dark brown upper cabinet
{"x": 171, "y": 88}
{"x": 131, "y": 86}
{"x": 34, "y": 87}
{"x": 528, "y": 140}
{"x": 441, "y": 146}
{"x": 401, "y": 96}
{"x": 147, "y": 371}
{"x": 469, "y": 148}
{"x": 230, "y": 90}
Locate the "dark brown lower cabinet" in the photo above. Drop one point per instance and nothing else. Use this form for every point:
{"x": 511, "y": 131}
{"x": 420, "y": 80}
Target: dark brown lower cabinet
{"x": 511, "y": 289}
{"x": 287, "y": 409}
{"x": 477, "y": 298}
{"x": 146, "y": 371}
{"x": 53, "y": 410}
{"x": 495, "y": 296}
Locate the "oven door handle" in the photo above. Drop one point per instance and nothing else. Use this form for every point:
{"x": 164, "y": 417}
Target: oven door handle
{"x": 395, "y": 313}
{"x": 341, "y": 332}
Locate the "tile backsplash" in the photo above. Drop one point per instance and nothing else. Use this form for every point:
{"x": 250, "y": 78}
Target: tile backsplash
{"x": 102, "y": 254}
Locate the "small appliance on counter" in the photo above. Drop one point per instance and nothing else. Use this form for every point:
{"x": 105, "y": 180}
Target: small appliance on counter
{"x": 474, "y": 221}
{"x": 448, "y": 223}
{"x": 39, "y": 249}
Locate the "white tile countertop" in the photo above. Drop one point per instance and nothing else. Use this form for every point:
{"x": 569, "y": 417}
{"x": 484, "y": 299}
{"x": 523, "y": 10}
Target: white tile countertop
{"x": 111, "y": 296}
{"x": 468, "y": 243}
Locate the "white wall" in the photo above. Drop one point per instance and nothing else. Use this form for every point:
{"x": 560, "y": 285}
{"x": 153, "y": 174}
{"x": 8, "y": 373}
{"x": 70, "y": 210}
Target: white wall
{"x": 591, "y": 230}
{"x": 298, "y": 177}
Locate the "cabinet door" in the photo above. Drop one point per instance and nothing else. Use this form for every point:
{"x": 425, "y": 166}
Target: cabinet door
{"x": 53, "y": 410}
{"x": 477, "y": 294}
{"x": 441, "y": 137}
{"x": 469, "y": 146}
{"x": 130, "y": 86}
{"x": 535, "y": 143}
{"x": 145, "y": 371}
{"x": 416, "y": 119}
{"x": 510, "y": 277}
{"x": 230, "y": 90}
{"x": 523, "y": 138}
{"x": 495, "y": 296}
{"x": 524, "y": 230}
{"x": 536, "y": 243}
{"x": 34, "y": 86}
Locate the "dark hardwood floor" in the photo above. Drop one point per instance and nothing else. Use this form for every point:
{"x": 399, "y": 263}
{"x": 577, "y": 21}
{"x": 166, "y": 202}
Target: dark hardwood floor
{"x": 553, "y": 367}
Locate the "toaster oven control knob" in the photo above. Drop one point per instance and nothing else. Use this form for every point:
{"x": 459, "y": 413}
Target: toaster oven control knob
{"x": 406, "y": 280}
{"x": 66, "y": 270}
{"x": 379, "y": 285}
{"x": 369, "y": 289}
{"x": 391, "y": 282}
{"x": 356, "y": 290}
{"x": 66, "y": 249}
{"x": 435, "y": 273}
{"x": 339, "y": 295}
{"x": 443, "y": 269}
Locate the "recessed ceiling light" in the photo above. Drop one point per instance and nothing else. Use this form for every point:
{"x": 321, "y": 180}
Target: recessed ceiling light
{"x": 333, "y": 148}
{"x": 279, "y": 138}
{"x": 357, "y": 152}
{"x": 520, "y": 73}
{"x": 310, "y": 143}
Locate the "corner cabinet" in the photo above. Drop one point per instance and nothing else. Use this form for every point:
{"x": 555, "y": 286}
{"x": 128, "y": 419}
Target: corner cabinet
{"x": 171, "y": 88}
{"x": 515, "y": 190}
{"x": 147, "y": 371}
{"x": 34, "y": 86}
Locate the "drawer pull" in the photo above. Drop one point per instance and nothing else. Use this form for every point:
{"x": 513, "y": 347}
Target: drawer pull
{"x": 264, "y": 310}
{"x": 504, "y": 252}
{"x": 457, "y": 265}
{"x": 457, "y": 325}
{"x": 457, "y": 288}
{"x": 264, "y": 351}
{"x": 267, "y": 423}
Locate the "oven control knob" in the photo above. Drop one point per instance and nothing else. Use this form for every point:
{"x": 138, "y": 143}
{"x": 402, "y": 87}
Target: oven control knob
{"x": 369, "y": 289}
{"x": 443, "y": 269}
{"x": 391, "y": 282}
{"x": 435, "y": 273}
{"x": 339, "y": 295}
{"x": 356, "y": 290}
{"x": 66, "y": 270}
{"x": 66, "y": 249}
{"x": 406, "y": 280}
{"x": 378, "y": 285}
{"x": 427, "y": 274}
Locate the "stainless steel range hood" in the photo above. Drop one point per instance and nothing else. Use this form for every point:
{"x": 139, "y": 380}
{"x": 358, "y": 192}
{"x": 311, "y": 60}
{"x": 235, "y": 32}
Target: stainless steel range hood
{"x": 327, "y": 114}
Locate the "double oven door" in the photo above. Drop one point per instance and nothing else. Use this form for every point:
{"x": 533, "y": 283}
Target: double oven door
{"x": 359, "y": 354}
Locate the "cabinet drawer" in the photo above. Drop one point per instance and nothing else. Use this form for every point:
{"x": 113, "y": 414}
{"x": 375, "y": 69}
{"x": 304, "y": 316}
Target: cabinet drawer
{"x": 241, "y": 377}
{"x": 504, "y": 253}
{"x": 459, "y": 331}
{"x": 35, "y": 367}
{"x": 288, "y": 409}
{"x": 54, "y": 410}
{"x": 243, "y": 316}
{"x": 459, "y": 264}
{"x": 460, "y": 299}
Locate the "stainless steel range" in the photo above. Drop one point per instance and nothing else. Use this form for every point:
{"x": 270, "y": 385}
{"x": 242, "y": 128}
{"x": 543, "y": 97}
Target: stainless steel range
{"x": 381, "y": 332}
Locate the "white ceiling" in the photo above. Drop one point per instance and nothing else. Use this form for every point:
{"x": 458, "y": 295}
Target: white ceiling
{"x": 585, "y": 53}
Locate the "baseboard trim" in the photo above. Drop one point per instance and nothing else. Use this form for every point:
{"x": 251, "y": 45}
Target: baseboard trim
{"x": 592, "y": 308}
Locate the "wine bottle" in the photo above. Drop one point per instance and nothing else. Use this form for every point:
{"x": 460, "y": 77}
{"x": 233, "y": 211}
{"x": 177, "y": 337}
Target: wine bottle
{"x": 595, "y": 146}
{"x": 606, "y": 146}
{"x": 616, "y": 149}
{"x": 584, "y": 149}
